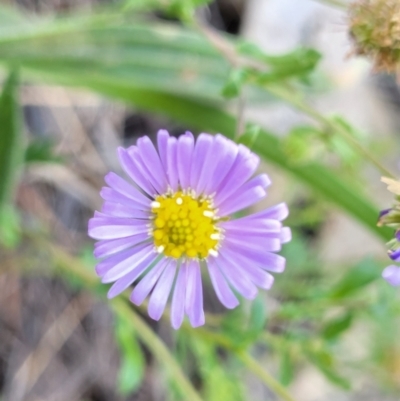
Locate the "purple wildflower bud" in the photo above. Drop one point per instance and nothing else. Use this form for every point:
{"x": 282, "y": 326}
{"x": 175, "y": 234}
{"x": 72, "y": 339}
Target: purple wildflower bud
{"x": 392, "y": 275}
{"x": 394, "y": 255}
{"x": 384, "y": 212}
{"x": 181, "y": 220}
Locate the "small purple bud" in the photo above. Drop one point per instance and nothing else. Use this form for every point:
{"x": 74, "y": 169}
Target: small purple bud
{"x": 394, "y": 255}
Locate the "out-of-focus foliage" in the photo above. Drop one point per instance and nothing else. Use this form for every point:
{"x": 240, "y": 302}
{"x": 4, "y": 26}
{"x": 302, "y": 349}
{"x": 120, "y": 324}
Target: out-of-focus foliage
{"x": 173, "y": 70}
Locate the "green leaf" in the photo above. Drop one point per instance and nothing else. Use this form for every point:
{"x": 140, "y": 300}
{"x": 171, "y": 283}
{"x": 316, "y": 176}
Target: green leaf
{"x": 40, "y": 150}
{"x": 303, "y": 144}
{"x": 356, "y": 279}
{"x": 337, "y": 326}
{"x": 237, "y": 78}
{"x": 11, "y": 154}
{"x": 132, "y": 367}
{"x": 299, "y": 62}
{"x": 166, "y": 70}
{"x": 250, "y": 135}
{"x": 258, "y": 314}
{"x": 325, "y": 363}
{"x": 286, "y": 368}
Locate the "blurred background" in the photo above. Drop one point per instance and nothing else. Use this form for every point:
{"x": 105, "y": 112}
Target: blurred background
{"x": 82, "y": 77}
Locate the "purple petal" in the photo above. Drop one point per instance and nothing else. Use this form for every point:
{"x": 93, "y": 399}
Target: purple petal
{"x": 243, "y": 168}
{"x": 109, "y": 194}
{"x": 142, "y": 165}
{"x": 118, "y": 210}
{"x": 121, "y": 186}
{"x": 132, "y": 170}
{"x": 124, "y": 282}
{"x": 160, "y": 294}
{"x": 105, "y": 265}
{"x": 108, "y": 247}
{"x": 152, "y": 163}
{"x": 258, "y": 276}
{"x": 253, "y": 227}
{"x": 277, "y": 212}
{"x": 178, "y": 299}
{"x": 194, "y": 295}
{"x": 162, "y": 140}
{"x": 115, "y": 227}
{"x": 237, "y": 278}
{"x": 265, "y": 260}
{"x": 203, "y": 144}
{"x": 144, "y": 287}
{"x": 286, "y": 235}
{"x": 260, "y": 181}
{"x": 184, "y": 159}
{"x": 122, "y": 268}
{"x": 221, "y": 287}
{"x": 241, "y": 200}
{"x": 172, "y": 169}
{"x": 257, "y": 243}
{"x": 392, "y": 275}
{"x": 225, "y": 160}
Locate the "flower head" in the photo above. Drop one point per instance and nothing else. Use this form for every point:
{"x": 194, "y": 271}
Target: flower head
{"x": 176, "y": 220}
{"x": 375, "y": 29}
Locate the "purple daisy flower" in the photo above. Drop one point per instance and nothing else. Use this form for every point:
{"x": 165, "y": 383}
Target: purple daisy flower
{"x": 177, "y": 219}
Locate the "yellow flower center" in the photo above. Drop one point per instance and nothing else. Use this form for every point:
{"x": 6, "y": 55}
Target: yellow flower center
{"x": 184, "y": 226}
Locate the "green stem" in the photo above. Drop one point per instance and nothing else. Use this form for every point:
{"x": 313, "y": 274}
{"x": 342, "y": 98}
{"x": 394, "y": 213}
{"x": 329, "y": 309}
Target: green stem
{"x": 228, "y": 51}
{"x": 299, "y": 103}
{"x": 153, "y": 342}
{"x": 335, "y": 3}
{"x": 71, "y": 264}
{"x": 245, "y": 358}
{"x": 258, "y": 370}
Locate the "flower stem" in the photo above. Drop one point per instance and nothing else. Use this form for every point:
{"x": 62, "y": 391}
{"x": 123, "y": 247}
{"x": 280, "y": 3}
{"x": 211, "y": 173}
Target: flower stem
{"x": 301, "y": 105}
{"x": 245, "y": 358}
{"x": 258, "y": 370}
{"x": 228, "y": 51}
{"x": 153, "y": 342}
{"x": 70, "y": 264}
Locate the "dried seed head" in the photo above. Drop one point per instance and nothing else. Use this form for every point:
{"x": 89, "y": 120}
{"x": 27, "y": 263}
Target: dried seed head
{"x": 375, "y": 30}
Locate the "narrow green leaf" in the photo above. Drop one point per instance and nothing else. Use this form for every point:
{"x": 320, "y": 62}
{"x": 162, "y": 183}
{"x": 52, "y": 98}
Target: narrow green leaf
{"x": 132, "y": 366}
{"x": 356, "y": 278}
{"x": 286, "y": 368}
{"x": 178, "y": 91}
{"x": 250, "y": 135}
{"x": 258, "y": 315}
{"x": 337, "y": 326}
{"x": 40, "y": 150}
{"x": 325, "y": 363}
{"x": 11, "y": 154}
{"x": 237, "y": 78}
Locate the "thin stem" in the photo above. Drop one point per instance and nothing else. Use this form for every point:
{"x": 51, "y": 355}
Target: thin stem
{"x": 70, "y": 264}
{"x": 246, "y": 359}
{"x": 335, "y": 3}
{"x": 301, "y": 105}
{"x": 258, "y": 370}
{"x": 153, "y": 342}
{"x": 228, "y": 51}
